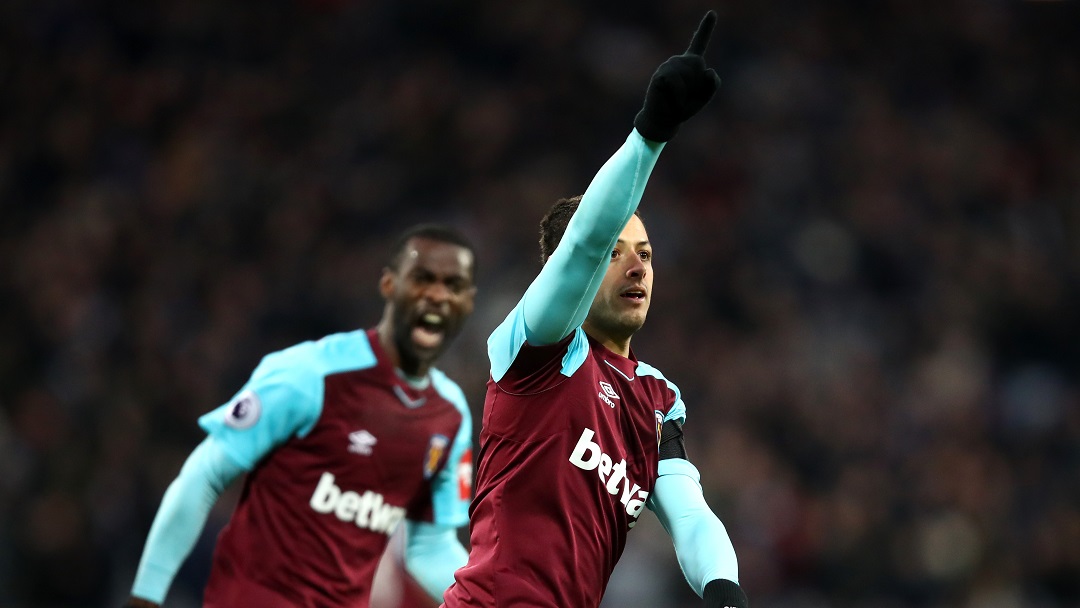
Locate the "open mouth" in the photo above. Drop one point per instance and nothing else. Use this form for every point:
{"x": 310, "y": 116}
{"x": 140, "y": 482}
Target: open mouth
{"x": 429, "y": 330}
{"x": 634, "y": 295}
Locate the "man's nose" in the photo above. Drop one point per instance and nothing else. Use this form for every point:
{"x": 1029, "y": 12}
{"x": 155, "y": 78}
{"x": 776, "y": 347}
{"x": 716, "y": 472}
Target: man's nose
{"x": 636, "y": 269}
{"x": 437, "y": 291}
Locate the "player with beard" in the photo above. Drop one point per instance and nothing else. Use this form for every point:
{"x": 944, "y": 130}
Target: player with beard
{"x": 341, "y": 439}
{"x": 579, "y": 435}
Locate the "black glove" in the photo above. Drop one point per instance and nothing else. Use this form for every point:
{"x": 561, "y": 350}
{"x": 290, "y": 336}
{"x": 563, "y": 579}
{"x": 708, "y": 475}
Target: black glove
{"x": 680, "y": 87}
{"x": 722, "y": 593}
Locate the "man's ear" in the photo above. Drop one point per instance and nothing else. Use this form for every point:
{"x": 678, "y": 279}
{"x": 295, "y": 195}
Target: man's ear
{"x": 386, "y": 283}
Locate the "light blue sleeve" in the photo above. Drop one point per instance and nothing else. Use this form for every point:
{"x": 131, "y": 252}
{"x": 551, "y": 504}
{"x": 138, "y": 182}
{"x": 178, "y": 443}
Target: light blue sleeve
{"x": 701, "y": 541}
{"x": 451, "y": 488}
{"x": 506, "y": 341}
{"x": 432, "y": 554}
{"x": 558, "y": 300}
{"x": 283, "y": 399}
{"x": 181, "y": 517}
{"x": 678, "y": 409}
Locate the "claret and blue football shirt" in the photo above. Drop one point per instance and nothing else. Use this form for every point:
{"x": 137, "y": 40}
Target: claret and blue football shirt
{"x": 569, "y": 442}
{"x": 340, "y": 449}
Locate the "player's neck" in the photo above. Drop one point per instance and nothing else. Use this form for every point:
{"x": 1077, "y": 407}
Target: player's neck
{"x": 419, "y": 383}
{"x": 616, "y": 344}
{"x": 413, "y": 372}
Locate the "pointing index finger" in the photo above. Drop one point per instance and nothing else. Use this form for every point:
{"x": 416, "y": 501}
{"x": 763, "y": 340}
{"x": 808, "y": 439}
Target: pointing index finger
{"x": 702, "y": 35}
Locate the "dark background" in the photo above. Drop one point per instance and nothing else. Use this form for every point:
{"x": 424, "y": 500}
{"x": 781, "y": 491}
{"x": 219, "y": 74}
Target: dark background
{"x": 866, "y": 252}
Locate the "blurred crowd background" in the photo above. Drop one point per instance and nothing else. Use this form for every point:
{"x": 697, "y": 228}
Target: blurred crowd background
{"x": 866, "y": 249}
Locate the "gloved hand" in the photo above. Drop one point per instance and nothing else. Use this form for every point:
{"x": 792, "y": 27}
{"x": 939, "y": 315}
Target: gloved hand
{"x": 680, "y": 87}
{"x": 722, "y": 593}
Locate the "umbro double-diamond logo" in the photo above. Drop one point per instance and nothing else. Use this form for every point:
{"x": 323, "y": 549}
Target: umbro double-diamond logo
{"x": 607, "y": 393}
{"x": 361, "y": 442}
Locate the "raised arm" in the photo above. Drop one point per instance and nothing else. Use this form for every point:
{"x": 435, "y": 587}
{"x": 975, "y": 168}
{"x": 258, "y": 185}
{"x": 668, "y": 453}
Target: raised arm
{"x": 558, "y": 300}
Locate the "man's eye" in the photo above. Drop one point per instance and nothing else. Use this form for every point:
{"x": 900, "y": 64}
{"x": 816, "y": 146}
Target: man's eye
{"x": 645, "y": 255}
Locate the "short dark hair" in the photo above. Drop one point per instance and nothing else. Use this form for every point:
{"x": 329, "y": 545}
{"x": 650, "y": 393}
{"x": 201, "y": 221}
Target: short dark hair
{"x": 435, "y": 232}
{"x": 553, "y": 225}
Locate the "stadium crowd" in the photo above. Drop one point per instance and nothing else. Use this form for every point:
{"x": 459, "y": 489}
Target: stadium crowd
{"x": 866, "y": 247}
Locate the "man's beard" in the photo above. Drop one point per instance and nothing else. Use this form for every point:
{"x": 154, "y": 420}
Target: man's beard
{"x": 618, "y": 325}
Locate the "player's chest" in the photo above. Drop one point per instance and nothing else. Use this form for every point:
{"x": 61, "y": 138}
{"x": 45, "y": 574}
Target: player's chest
{"x": 376, "y": 432}
{"x": 613, "y": 404}
{"x": 612, "y": 439}
{"x": 607, "y": 397}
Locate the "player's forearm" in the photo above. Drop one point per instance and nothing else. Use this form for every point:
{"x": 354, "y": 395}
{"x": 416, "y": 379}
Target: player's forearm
{"x": 180, "y": 519}
{"x": 704, "y": 550}
{"x": 612, "y": 197}
{"x": 701, "y": 541}
{"x": 176, "y": 528}
{"x": 432, "y": 555}
{"x": 560, "y": 297}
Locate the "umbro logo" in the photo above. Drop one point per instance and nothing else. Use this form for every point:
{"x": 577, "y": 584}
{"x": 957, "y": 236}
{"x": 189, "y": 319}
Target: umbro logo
{"x": 361, "y": 442}
{"x": 607, "y": 393}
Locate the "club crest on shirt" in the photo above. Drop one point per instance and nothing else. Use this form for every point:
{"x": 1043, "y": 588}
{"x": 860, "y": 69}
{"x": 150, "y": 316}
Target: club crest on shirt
{"x": 435, "y": 451}
{"x": 243, "y": 411}
{"x": 659, "y": 427}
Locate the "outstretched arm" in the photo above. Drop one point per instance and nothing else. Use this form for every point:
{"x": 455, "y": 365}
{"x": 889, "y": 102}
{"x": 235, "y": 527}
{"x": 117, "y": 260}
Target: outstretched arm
{"x": 181, "y": 518}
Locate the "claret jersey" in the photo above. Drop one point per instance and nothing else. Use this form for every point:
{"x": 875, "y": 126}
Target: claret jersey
{"x": 568, "y": 457}
{"x": 570, "y": 443}
{"x": 340, "y": 449}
